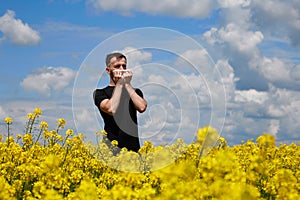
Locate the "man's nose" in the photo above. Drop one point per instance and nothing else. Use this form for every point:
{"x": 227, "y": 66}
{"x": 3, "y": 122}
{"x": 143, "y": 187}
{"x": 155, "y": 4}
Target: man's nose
{"x": 122, "y": 67}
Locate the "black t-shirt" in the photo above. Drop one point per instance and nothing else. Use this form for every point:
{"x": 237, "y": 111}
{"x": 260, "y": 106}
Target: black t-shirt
{"x": 123, "y": 125}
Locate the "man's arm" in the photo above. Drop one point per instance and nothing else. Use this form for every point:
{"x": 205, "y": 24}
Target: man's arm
{"x": 139, "y": 103}
{"x": 111, "y": 105}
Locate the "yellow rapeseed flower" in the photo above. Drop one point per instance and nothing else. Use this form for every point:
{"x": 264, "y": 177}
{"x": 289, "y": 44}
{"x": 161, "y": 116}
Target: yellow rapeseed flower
{"x": 68, "y": 141}
{"x": 61, "y": 122}
{"x": 69, "y": 132}
{"x": 37, "y": 111}
{"x": 6, "y": 190}
{"x": 86, "y": 190}
{"x": 8, "y": 120}
{"x": 43, "y": 125}
{"x": 59, "y": 137}
{"x": 46, "y": 134}
{"x": 207, "y": 134}
{"x": 51, "y": 162}
{"x": 27, "y": 139}
{"x": 30, "y": 116}
{"x": 104, "y": 132}
{"x": 114, "y": 142}
{"x": 266, "y": 140}
{"x": 83, "y": 170}
{"x": 53, "y": 133}
{"x": 223, "y": 142}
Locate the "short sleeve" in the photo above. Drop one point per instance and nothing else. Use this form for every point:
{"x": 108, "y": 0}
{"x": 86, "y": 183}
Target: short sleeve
{"x": 99, "y": 96}
{"x": 139, "y": 92}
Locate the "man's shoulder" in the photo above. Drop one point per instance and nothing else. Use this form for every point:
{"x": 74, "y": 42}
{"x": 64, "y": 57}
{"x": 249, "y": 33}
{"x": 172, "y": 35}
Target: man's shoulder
{"x": 104, "y": 88}
{"x": 103, "y": 91}
{"x": 139, "y": 91}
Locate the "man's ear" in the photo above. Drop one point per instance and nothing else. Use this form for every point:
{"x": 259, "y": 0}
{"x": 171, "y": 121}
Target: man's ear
{"x": 107, "y": 70}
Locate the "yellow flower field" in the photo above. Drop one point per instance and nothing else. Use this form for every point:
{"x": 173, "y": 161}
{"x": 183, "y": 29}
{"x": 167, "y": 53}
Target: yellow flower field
{"x": 59, "y": 164}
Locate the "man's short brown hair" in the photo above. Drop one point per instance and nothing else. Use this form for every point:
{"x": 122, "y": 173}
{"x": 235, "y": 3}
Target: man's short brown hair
{"x": 114, "y": 54}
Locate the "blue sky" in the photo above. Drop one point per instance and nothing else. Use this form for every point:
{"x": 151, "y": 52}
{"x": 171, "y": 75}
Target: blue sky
{"x": 52, "y": 54}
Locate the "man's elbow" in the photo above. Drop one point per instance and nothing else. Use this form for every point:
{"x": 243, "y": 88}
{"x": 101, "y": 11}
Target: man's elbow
{"x": 109, "y": 110}
{"x": 112, "y": 111}
{"x": 142, "y": 108}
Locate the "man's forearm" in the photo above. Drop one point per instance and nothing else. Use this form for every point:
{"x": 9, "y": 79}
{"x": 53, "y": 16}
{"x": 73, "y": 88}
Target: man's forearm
{"x": 111, "y": 105}
{"x": 116, "y": 98}
{"x": 139, "y": 103}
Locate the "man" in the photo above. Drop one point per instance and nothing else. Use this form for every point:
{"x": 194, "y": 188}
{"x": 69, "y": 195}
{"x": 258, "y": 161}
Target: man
{"x": 119, "y": 102}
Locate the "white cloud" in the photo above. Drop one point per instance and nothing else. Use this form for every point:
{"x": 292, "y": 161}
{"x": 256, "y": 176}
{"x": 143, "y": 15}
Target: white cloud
{"x": 237, "y": 38}
{"x": 295, "y": 73}
{"x": 253, "y": 112}
{"x": 51, "y": 111}
{"x": 274, "y": 127}
{"x": 136, "y": 57}
{"x": 282, "y": 102}
{"x": 179, "y": 8}
{"x": 85, "y": 121}
{"x": 267, "y": 16}
{"x": 46, "y": 79}
{"x": 275, "y": 69}
{"x": 280, "y": 72}
{"x": 16, "y": 31}
{"x": 284, "y": 105}
{"x": 198, "y": 59}
{"x": 227, "y": 75}
{"x": 282, "y": 16}
{"x": 278, "y": 10}
{"x": 235, "y": 12}
{"x": 248, "y": 27}
{"x": 85, "y": 116}
{"x": 212, "y": 36}
{"x": 2, "y": 113}
{"x": 251, "y": 96}
{"x": 276, "y": 110}
{"x": 232, "y": 3}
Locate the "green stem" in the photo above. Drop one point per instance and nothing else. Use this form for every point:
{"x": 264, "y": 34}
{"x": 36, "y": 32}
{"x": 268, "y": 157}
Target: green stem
{"x": 27, "y": 126}
{"x": 58, "y": 127}
{"x": 65, "y": 140}
{"x": 7, "y": 134}
{"x": 39, "y": 136}
{"x": 31, "y": 125}
{"x": 65, "y": 157}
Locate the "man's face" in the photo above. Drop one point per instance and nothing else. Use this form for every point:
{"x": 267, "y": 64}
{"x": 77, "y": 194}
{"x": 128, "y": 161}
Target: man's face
{"x": 116, "y": 64}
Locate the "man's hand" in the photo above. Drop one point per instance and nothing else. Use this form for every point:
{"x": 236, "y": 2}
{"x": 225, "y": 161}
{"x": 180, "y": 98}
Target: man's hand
{"x": 127, "y": 75}
{"x": 122, "y": 77}
{"x": 117, "y": 76}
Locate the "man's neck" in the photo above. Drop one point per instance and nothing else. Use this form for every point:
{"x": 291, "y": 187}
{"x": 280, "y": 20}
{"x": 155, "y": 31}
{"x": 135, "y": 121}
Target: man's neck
{"x": 112, "y": 83}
